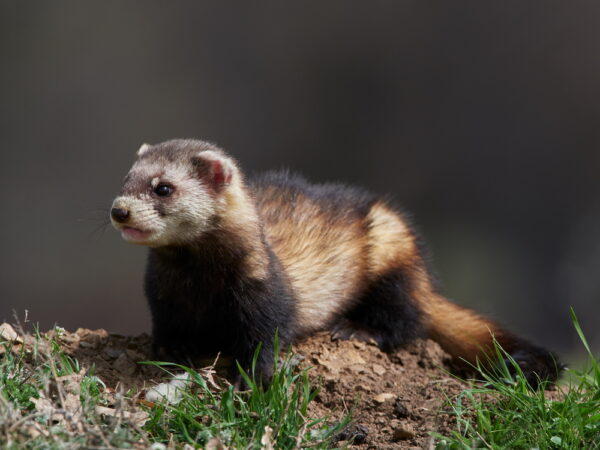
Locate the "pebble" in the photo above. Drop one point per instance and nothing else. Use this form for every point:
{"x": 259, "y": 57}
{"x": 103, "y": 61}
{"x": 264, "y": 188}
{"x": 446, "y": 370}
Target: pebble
{"x": 400, "y": 409}
{"x": 382, "y": 398}
{"x": 8, "y": 333}
{"x": 402, "y": 433}
{"x": 379, "y": 370}
{"x": 358, "y": 433}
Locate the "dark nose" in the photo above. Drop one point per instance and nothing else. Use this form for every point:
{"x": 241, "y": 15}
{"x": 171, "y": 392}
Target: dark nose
{"x": 119, "y": 215}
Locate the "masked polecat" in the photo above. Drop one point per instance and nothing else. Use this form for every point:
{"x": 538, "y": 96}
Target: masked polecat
{"x": 233, "y": 260}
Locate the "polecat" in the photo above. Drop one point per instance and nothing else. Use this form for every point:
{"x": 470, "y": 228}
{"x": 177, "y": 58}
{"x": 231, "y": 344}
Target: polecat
{"x": 233, "y": 260}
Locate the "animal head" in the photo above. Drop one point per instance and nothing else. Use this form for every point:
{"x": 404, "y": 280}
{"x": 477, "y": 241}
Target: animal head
{"x": 174, "y": 193}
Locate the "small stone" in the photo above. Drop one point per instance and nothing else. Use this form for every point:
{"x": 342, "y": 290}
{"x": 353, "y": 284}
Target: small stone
{"x": 8, "y": 333}
{"x": 400, "y": 409}
{"x": 403, "y": 433}
{"x": 356, "y": 433}
{"x": 379, "y": 370}
{"x": 382, "y": 398}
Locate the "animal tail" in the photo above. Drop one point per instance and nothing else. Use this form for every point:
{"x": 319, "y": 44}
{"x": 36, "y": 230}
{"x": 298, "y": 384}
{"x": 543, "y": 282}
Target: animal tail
{"x": 467, "y": 336}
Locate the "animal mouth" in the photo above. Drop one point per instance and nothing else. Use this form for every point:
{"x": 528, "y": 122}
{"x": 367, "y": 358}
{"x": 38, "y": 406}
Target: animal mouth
{"x": 134, "y": 234}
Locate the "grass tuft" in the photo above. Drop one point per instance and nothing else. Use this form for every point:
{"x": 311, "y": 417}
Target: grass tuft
{"x": 275, "y": 415}
{"x": 502, "y": 411}
{"x": 48, "y": 401}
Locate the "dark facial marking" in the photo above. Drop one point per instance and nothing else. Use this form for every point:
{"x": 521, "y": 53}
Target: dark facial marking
{"x": 160, "y": 209}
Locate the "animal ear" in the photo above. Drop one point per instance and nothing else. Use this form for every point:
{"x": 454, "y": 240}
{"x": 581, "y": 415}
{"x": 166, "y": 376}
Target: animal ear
{"x": 215, "y": 168}
{"x": 143, "y": 149}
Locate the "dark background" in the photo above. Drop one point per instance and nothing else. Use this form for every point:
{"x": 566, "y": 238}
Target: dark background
{"x": 480, "y": 118}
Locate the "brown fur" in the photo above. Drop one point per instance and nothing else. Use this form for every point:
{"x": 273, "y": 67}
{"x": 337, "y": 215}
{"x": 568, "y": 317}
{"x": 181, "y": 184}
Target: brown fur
{"x": 324, "y": 261}
{"x": 331, "y": 259}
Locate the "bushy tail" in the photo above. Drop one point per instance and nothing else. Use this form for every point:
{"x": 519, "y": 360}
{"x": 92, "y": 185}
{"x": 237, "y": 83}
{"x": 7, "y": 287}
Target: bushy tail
{"x": 465, "y": 335}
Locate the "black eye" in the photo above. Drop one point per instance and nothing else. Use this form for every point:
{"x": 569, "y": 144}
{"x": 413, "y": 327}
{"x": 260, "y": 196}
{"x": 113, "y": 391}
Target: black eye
{"x": 163, "y": 190}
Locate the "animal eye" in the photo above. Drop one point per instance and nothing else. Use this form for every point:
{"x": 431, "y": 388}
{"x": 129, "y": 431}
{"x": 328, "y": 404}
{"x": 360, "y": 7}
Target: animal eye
{"x": 163, "y": 190}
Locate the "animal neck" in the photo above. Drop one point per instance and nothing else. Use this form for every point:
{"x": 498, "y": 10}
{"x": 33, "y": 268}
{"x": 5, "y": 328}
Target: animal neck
{"x": 240, "y": 229}
{"x": 235, "y": 242}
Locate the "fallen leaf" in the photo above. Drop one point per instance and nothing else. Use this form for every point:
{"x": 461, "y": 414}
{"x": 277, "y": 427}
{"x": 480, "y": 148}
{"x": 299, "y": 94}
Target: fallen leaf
{"x": 265, "y": 440}
{"x": 215, "y": 444}
{"x": 141, "y": 401}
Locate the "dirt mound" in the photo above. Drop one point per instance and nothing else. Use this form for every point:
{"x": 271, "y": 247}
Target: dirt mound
{"x": 394, "y": 398}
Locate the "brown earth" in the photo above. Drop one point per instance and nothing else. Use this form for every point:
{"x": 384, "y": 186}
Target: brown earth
{"x": 395, "y": 399}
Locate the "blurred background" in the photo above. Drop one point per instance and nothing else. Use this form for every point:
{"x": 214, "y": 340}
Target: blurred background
{"x": 482, "y": 119}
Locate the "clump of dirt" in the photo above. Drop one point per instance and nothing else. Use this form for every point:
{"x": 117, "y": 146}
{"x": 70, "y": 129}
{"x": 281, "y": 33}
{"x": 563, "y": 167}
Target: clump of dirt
{"x": 395, "y": 398}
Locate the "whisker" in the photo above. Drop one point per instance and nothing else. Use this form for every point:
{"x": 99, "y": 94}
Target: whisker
{"x": 95, "y": 215}
{"x": 100, "y": 217}
{"x": 98, "y": 230}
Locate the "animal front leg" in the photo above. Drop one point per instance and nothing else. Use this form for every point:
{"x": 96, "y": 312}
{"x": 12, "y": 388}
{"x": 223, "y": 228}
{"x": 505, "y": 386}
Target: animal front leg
{"x": 260, "y": 370}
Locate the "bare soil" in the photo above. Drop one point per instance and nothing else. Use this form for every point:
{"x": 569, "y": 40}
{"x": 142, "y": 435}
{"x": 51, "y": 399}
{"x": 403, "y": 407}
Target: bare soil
{"x": 396, "y": 399}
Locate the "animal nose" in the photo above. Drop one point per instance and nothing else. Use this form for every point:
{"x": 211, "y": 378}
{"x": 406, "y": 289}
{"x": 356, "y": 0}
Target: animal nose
{"x": 119, "y": 215}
